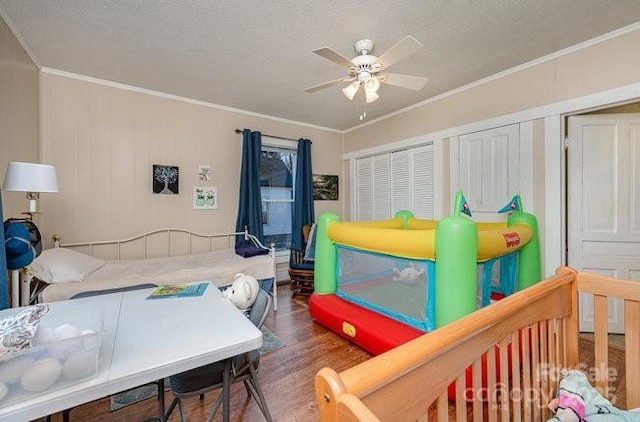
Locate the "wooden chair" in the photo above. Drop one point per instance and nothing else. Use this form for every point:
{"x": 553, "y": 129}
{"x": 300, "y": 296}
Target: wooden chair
{"x": 301, "y": 270}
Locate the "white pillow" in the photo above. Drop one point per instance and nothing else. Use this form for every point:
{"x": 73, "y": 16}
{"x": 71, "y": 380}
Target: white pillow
{"x": 59, "y": 265}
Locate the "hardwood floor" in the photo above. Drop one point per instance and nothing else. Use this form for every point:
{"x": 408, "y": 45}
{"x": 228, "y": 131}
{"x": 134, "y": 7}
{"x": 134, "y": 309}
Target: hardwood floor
{"x": 286, "y": 374}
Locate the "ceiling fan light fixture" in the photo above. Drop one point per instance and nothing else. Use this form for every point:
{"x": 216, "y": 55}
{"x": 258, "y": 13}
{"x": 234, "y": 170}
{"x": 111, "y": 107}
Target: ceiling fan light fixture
{"x": 350, "y": 90}
{"x": 370, "y": 96}
{"x": 372, "y": 84}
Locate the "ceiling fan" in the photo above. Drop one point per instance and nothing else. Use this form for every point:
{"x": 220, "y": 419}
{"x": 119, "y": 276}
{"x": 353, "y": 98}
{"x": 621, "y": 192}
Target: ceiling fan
{"x": 366, "y": 70}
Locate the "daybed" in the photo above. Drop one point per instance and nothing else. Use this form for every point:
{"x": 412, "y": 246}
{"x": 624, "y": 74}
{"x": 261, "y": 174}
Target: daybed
{"x": 531, "y": 336}
{"x": 166, "y": 256}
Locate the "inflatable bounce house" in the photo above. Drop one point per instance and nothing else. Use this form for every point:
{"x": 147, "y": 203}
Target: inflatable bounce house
{"x": 383, "y": 283}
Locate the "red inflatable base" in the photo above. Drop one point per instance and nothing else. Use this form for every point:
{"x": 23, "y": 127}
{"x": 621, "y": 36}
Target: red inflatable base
{"x": 370, "y": 330}
{"x": 377, "y": 333}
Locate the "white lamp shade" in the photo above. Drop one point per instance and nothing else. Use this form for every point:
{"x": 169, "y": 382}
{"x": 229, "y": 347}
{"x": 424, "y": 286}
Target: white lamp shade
{"x": 30, "y": 177}
{"x": 350, "y": 90}
{"x": 372, "y": 84}
{"x": 371, "y": 96}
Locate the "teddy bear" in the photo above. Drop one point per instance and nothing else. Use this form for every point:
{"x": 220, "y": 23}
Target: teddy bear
{"x": 243, "y": 292}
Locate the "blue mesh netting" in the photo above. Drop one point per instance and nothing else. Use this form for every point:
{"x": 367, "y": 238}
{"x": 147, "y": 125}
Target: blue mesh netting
{"x": 498, "y": 275}
{"x": 396, "y": 287}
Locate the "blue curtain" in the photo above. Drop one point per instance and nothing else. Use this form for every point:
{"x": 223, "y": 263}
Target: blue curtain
{"x": 250, "y": 202}
{"x": 4, "y": 280}
{"x": 303, "y": 212}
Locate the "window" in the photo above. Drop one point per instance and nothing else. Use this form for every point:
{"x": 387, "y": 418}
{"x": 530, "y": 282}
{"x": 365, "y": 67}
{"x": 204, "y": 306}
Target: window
{"x": 394, "y": 181}
{"x": 277, "y": 178}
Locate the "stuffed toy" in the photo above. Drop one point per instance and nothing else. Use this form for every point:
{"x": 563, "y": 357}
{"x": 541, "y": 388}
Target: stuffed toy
{"x": 243, "y": 292}
{"x": 578, "y": 401}
{"x": 411, "y": 274}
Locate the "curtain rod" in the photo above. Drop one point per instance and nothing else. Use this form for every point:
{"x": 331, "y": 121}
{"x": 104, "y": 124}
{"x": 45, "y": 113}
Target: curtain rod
{"x": 270, "y": 136}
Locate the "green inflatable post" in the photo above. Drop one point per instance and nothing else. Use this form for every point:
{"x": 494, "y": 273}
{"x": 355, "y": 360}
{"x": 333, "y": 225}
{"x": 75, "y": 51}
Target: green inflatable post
{"x": 529, "y": 266}
{"x": 405, "y": 216}
{"x": 324, "y": 278}
{"x": 456, "y": 255}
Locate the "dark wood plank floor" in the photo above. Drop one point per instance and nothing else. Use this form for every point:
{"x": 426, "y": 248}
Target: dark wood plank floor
{"x": 286, "y": 375}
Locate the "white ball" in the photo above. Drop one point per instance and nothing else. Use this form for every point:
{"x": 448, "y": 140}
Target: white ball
{"x": 3, "y": 390}
{"x": 80, "y": 365}
{"x": 42, "y": 375}
{"x": 44, "y": 335}
{"x": 67, "y": 341}
{"x": 65, "y": 331}
{"x": 11, "y": 371}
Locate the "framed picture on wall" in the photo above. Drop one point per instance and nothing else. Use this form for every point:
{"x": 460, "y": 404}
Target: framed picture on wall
{"x": 205, "y": 198}
{"x": 165, "y": 179}
{"x": 325, "y": 187}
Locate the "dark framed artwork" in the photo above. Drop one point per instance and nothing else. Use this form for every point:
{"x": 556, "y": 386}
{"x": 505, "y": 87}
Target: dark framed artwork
{"x": 325, "y": 187}
{"x": 165, "y": 179}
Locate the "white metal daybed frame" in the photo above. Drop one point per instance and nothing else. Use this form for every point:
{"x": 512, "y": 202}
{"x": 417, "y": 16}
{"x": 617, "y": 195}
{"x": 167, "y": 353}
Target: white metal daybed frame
{"x": 90, "y": 248}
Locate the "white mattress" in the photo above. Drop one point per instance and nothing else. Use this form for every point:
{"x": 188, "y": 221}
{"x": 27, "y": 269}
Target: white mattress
{"x": 219, "y": 267}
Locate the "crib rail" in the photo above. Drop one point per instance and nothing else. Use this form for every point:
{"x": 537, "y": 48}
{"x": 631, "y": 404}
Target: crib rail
{"x": 603, "y": 288}
{"x": 530, "y": 336}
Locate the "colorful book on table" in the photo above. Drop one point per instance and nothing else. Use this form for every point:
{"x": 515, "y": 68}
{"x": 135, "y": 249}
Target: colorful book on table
{"x": 179, "y": 290}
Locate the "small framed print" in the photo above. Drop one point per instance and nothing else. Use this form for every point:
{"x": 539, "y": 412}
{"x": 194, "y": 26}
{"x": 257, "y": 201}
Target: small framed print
{"x": 325, "y": 187}
{"x": 204, "y": 172}
{"x": 205, "y": 198}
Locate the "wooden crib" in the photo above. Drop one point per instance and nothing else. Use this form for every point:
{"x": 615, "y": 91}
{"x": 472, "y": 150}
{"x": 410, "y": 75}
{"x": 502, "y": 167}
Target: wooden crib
{"x": 531, "y": 335}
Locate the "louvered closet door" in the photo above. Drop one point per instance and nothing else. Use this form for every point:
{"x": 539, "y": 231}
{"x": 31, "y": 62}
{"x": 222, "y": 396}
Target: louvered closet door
{"x": 372, "y": 188}
{"x": 390, "y": 182}
{"x": 413, "y": 181}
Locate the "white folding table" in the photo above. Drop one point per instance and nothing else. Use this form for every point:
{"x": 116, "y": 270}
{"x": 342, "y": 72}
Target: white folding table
{"x": 144, "y": 341}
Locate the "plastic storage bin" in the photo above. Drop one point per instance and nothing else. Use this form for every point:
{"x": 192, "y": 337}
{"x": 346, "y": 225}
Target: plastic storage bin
{"x": 65, "y": 350}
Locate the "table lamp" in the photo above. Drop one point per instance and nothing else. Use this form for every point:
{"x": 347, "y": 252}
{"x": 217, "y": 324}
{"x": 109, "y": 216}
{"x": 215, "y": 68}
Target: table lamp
{"x": 32, "y": 178}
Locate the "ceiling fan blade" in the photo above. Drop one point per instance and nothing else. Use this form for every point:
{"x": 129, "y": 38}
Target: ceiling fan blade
{"x": 327, "y": 84}
{"x": 410, "y": 82}
{"x": 334, "y": 56}
{"x": 403, "y": 48}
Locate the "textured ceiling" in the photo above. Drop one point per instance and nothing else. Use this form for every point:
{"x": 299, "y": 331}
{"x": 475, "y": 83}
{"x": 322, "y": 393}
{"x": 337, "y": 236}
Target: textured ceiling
{"x": 256, "y": 55}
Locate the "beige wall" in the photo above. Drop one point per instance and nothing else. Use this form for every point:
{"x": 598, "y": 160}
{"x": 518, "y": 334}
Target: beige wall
{"x": 610, "y": 64}
{"x": 19, "y": 118}
{"x": 104, "y": 141}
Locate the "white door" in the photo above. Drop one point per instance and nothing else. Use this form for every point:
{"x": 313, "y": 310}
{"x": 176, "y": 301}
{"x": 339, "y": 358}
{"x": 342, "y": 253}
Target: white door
{"x": 603, "y": 212}
{"x": 491, "y": 166}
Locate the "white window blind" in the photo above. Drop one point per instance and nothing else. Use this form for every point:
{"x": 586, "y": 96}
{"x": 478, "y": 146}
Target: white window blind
{"x": 394, "y": 181}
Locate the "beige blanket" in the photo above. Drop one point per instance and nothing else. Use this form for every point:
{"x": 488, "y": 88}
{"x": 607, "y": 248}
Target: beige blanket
{"x": 219, "y": 267}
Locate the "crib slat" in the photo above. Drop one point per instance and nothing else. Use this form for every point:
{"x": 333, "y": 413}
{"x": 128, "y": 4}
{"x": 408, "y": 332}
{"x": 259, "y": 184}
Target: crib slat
{"x": 553, "y": 359}
{"x": 492, "y": 403}
{"x": 544, "y": 366}
{"x": 632, "y": 352}
{"x": 504, "y": 380}
{"x": 601, "y": 341}
{"x": 527, "y": 385}
{"x": 443, "y": 407}
{"x": 535, "y": 368}
{"x": 461, "y": 404}
{"x": 477, "y": 386}
{"x": 515, "y": 371}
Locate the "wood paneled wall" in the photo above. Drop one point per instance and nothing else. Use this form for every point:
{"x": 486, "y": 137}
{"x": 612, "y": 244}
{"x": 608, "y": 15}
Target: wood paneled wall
{"x": 105, "y": 139}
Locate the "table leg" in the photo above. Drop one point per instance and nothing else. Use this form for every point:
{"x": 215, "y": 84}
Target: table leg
{"x": 226, "y": 390}
{"x": 161, "y": 399}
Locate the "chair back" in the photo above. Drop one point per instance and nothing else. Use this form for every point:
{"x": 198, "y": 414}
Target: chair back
{"x": 260, "y": 308}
